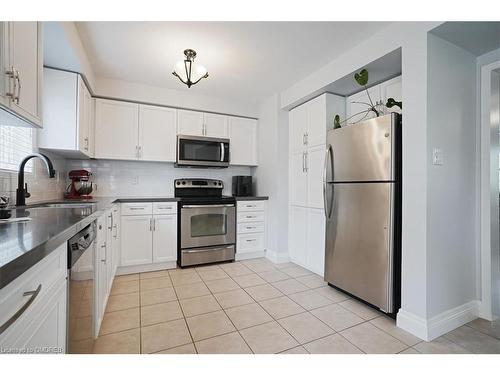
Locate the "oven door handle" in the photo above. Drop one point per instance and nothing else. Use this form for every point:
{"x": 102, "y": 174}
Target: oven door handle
{"x": 205, "y": 250}
{"x": 208, "y": 206}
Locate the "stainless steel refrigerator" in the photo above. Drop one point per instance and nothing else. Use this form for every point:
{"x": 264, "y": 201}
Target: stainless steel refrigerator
{"x": 362, "y": 192}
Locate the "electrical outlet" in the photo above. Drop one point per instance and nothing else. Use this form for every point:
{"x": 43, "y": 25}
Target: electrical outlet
{"x": 437, "y": 156}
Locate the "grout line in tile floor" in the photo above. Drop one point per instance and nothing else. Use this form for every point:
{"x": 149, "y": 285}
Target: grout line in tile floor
{"x": 253, "y": 272}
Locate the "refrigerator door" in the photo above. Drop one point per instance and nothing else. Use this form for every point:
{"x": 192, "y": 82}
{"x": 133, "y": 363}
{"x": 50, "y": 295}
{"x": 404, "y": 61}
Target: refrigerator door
{"x": 364, "y": 151}
{"x": 359, "y": 248}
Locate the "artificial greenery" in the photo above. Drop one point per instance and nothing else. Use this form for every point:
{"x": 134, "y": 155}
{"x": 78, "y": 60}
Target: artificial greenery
{"x": 378, "y": 108}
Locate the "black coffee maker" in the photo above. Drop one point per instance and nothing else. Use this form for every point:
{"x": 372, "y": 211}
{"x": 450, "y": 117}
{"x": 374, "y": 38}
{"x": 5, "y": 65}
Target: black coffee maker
{"x": 242, "y": 186}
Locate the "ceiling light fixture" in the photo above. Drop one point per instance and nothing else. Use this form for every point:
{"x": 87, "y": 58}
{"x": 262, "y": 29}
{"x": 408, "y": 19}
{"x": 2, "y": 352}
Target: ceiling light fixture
{"x": 188, "y": 71}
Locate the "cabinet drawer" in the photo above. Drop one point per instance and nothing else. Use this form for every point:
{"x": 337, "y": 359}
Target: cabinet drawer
{"x": 247, "y": 243}
{"x": 251, "y": 206}
{"x": 163, "y": 208}
{"x": 137, "y": 208}
{"x": 42, "y": 277}
{"x": 256, "y": 227}
{"x": 244, "y": 217}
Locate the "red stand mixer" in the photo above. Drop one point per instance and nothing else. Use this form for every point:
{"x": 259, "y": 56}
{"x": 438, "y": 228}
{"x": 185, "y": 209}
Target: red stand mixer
{"x": 80, "y": 186}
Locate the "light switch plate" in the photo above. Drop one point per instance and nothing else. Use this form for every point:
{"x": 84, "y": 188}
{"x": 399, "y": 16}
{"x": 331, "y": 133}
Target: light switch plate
{"x": 437, "y": 156}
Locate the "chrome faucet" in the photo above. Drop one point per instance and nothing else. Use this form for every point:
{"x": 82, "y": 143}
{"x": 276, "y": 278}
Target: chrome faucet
{"x": 22, "y": 187}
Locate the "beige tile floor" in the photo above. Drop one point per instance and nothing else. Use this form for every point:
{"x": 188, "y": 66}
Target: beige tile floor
{"x": 256, "y": 306}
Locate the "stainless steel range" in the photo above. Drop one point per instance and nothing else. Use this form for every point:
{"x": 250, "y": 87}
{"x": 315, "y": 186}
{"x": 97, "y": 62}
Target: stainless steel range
{"x": 207, "y": 222}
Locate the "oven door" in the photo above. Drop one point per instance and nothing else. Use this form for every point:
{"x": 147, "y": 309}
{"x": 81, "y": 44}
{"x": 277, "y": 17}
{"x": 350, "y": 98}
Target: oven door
{"x": 208, "y": 225}
{"x": 193, "y": 151}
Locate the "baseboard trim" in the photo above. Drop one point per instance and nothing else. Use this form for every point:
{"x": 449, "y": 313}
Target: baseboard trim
{"x": 126, "y": 270}
{"x": 277, "y": 256}
{"x": 251, "y": 255}
{"x": 429, "y": 329}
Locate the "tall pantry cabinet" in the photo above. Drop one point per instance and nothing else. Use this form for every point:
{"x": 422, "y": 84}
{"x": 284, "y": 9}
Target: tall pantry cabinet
{"x": 308, "y": 125}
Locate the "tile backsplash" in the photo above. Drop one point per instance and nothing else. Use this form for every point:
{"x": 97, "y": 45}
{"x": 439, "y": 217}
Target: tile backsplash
{"x": 118, "y": 178}
{"x": 40, "y": 186}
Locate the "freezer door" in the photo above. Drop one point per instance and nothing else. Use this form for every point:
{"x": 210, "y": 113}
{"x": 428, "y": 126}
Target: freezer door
{"x": 359, "y": 248}
{"x": 364, "y": 151}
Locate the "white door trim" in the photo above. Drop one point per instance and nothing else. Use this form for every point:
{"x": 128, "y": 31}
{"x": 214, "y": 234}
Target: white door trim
{"x": 489, "y": 190}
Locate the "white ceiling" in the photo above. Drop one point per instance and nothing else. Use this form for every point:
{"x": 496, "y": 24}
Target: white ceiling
{"x": 246, "y": 60}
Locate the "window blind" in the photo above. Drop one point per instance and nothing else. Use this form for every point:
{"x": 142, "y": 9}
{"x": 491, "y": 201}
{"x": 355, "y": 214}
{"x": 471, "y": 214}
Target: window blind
{"x": 15, "y": 143}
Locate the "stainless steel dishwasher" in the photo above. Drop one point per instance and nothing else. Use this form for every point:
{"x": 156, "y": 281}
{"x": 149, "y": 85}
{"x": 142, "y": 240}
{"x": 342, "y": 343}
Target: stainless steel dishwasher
{"x": 81, "y": 276}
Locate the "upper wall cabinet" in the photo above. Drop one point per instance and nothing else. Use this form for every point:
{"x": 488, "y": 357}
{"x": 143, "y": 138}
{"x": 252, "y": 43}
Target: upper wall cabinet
{"x": 202, "y": 124}
{"x": 130, "y": 131}
{"x": 242, "y": 141}
{"x": 157, "y": 133}
{"x": 116, "y": 130}
{"x": 67, "y": 115}
{"x": 381, "y": 92}
{"x": 21, "y": 62}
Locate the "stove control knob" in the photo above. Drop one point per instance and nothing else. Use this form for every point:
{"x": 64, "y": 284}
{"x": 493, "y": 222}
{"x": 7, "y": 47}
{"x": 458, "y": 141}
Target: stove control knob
{"x": 178, "y": 183}
{"x": 220, "y": 183}
{"x": 184, "y": 182}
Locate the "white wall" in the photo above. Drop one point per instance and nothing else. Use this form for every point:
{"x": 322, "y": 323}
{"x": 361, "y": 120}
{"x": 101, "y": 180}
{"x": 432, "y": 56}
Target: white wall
{"x": 117, "y": 178}
{"x": 174, "y": 98}
{"x": 271, "y": 176}
{"x": 451, "y": 206}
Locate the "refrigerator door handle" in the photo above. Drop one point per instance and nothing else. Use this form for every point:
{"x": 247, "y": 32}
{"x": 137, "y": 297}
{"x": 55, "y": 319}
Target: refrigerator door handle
{"x": 327, "y": 204}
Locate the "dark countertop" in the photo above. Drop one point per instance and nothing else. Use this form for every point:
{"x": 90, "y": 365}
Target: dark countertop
{"x": 259, "y": 198}
{"x": 23, "y": 244}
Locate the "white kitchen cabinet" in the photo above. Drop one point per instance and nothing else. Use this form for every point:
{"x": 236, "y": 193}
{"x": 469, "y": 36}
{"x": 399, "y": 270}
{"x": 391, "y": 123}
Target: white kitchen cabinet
{"x": 101, "y": 280}
{"x": 242, "y": 141}
{"x": 315, "y": 161}
{"x": 392, "y": 89}
{"x": 67, "y": 115}
{"x": 136, "y": 240}
{"x": 215, "y": 125}
{"x": 298, "y": 120}
{"x": 190, "y": 123}
{"x": 164, "y": 231}
{"x": 115, "y": 236}
{"x": 298, "y": 179}
{"x": 148, "y": 234}
{"x": 157, "y": 133}
{"x": 251, "y": 234}
{"x": 42, "y": 325}
{"x": 298, "y": 235}
{"x": 315, "y": 232}
{"x": 22, "y": 61}
{"x": 116, "y": 130}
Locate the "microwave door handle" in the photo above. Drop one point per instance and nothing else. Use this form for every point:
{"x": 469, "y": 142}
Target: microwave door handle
{"x": 222, "y": 151}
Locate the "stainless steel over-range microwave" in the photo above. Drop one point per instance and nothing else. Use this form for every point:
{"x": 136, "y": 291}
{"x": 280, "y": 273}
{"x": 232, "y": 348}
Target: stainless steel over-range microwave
{"x": 195, "y": 151}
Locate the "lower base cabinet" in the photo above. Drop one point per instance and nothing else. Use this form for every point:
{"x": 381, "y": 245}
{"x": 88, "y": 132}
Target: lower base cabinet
{"x": 250, "y": 228}
{"x": 41, "y": 328}
{"x": 307, "y": 238}
{"x": 148, "y": 237}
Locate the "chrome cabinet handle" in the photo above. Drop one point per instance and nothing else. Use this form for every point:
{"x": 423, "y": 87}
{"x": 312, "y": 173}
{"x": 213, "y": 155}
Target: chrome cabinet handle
{"x": 110, "y": 225}
{"x": 86, "y": 147}
{"x": 136, "y": 208}
{"x": 306, "y": 162}
{"x": 252, "y": 240}
{"x": 11, "y": 74}
{"x": 151, "y": 225}
{"x": 116, "y": 231}
{"x": 103, "y": 246}
{"x": 303, "y": 162}
{"x": 18, "y": 78}
{"x": 250, "y": 227}
{"x": 250, "y": 216}
{"x": 18, "y": 313}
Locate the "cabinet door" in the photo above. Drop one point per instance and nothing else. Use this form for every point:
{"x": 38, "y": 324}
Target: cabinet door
{"x": 116, "y": 129}
{"x": 392, "y": 89}
{"x": 115, "y": 238}
{"x": 4, "y": 64}
{"x": 137, "y": 240}
{"x": 25, "y": 56}
{"x": 315, "y": 161}
{"x": 298, "y": 235}
{"x": 354, "y": 104}
{"x": 101, "y": 277}
{"x": 315, "y": 241}
{"x": 298, "y": 176}
{"x": 84, "y": 117}
{"x": 243, "y": 141}
{"x": 164, "y": 238}
{"x": 109, "y": 251}
{"x": 189, "y": 122}
{"x": 215, "y": 125}
{"x": 298, "y": 128}
{"x": 316, "y": 121}
{"x": 157, "y": 133}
